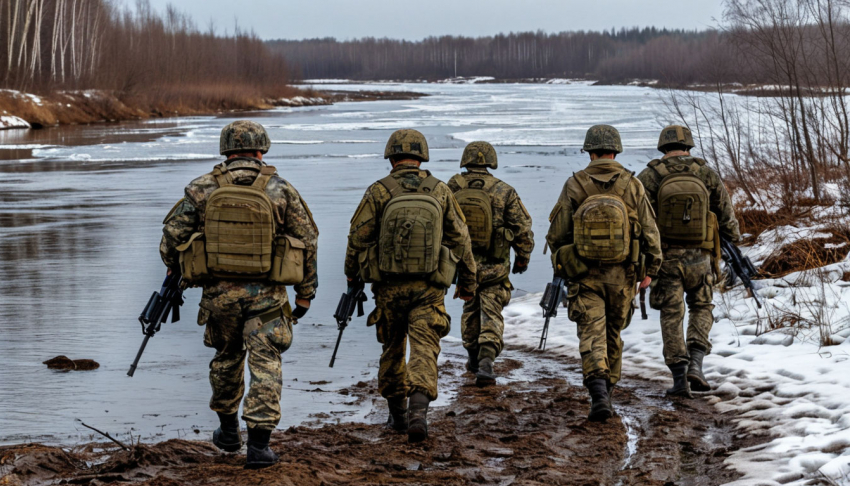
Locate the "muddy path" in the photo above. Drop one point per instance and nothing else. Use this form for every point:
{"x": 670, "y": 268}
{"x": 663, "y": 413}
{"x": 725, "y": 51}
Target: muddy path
{"x": 530, "y": 428}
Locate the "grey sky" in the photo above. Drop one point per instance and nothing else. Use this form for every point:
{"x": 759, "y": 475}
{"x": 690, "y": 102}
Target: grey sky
{"x": 344, "y": 19}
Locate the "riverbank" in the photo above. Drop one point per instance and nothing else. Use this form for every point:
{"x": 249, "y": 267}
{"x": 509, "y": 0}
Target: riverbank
{"x": 27, "y": 110}
{"x": 530, "y": 428}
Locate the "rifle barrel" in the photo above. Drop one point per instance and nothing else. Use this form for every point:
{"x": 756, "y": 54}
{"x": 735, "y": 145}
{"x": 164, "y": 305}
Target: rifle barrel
{"x": 336, "y": 348}
{"x": 138, "y": 356}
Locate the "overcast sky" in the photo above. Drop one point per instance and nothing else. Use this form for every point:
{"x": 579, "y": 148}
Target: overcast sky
{"x": 345, "y": 19}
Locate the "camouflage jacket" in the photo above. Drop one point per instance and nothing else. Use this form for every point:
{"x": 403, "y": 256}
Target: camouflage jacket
{"x": 509, "y": 212}
{"x": 719, "y": 201}
{"x": 293, "y": 218}
{"x": 640, "y": 210}
{"x": 366, "y": 224}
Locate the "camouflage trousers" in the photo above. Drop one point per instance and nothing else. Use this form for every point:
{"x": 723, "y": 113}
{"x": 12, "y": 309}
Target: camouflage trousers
{"x": 686, "y": 276}
{"x": 601, "y": 304}
{"x": 246, "y": 320}
{"x": 482, "y": 320}
{"x": 413, "y": 310}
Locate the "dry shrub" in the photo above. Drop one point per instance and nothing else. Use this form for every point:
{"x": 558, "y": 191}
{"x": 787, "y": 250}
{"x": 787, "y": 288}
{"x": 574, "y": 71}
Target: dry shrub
{"x": 808, "y": 254}
{"x": 756, "y": 221}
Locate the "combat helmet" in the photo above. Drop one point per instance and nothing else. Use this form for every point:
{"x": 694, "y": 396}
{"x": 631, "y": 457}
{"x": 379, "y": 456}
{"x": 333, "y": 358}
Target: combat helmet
{"x": 479, "y": 154}
{"x": 675, "y": 134}
{"x": 243, "y": 136}
{"x": 602, "y": 137}
{"x": 407, "y": 142}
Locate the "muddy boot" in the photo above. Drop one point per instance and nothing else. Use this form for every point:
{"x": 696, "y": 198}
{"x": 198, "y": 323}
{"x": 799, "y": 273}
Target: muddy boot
{"x": 259, "y": 453}
{"x": 417, "y": 418}
{"x": 680, "y": 383}
{"x": 486, "y": 357}
{"x": 227, "y": 437}
{"x": 695, "y": 376}
{"x": 398, "y": 414}
{"x": 600, "y": 406}
{"x": 472, "y": 362}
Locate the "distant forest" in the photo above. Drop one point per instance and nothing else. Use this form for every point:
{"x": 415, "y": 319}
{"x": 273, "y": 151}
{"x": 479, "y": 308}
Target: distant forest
{"x": 674, "y": 56}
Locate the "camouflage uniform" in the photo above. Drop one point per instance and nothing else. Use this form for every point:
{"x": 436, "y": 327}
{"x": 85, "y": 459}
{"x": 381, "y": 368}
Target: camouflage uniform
{"x": 482, "y": 320}
{"x": 407, "y": 308}
{"x": 602, "y": 302}
{"x": 244, "y": 317}
{"x": 687, "y": 274}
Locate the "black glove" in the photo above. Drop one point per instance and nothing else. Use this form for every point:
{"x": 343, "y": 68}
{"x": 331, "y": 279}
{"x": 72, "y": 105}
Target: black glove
{"x": 299, "y": 311}
{"x": 520, "y": 265}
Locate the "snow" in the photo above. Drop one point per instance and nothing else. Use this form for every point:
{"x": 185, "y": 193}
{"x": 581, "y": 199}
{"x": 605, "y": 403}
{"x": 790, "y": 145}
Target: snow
{"x": 9, "y": 121}
{"x": 467, "y": 80}
{"x": 772, "y": 380}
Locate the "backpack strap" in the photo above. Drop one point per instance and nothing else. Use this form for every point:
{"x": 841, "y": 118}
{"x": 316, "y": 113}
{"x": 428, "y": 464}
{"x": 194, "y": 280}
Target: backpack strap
{"x": 621, "y": 185}
{"x": 392, "y": 185}
{"x": 262, "y": 180}
{"x": 661, "y": 169}
{"x": 586, "y": 183}
{"x": 222, "y": 176}
{"x": 427, "y": 186}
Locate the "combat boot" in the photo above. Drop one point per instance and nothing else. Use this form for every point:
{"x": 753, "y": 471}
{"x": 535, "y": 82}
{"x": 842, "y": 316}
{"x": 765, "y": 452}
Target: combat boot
{"x": 259, "y": 453}
{"x": 227, "y": 437}
{"x": 695, "y": 376}
{"x": 485, "y": 375}
{"x": 600, "y": 405}
{"x": 680, "y": 383}
{"x": 417, "y": 418}
{"x": 398, "y": 414}
{"x": 472, "y": 362}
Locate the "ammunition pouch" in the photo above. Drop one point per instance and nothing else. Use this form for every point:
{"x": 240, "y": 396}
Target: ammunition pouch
{"x": 193, "y": 260}
{"x": 501, "y": 247}
{"x": 444, "y": 276}
{"x": 288, "y": 261}
{"x": 568, "y": 263}
{"x": 368, "y": 262}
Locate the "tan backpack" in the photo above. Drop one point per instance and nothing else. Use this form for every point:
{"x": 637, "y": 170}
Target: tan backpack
{"x": 683, "y": 207}
{"x": 411, "y": 231}
{"x": 239, "y": 227}
{"x": 477, "y": 208}
{"x": 602, "y": 230}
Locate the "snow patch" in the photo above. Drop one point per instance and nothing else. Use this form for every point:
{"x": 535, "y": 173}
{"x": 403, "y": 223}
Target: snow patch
{"x": 10, "y": 121}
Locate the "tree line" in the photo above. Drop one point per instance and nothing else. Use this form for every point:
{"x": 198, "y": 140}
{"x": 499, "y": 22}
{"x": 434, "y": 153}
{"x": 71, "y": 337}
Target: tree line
{"x": 647, "y": 53}
{"x": 80, "y": 44}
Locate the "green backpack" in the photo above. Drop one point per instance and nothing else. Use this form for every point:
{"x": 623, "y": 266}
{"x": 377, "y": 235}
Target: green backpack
{"x": 411, "y": 230}
{"x": 602, "y": 230}
{"x": 683, "y": 206}
{"x": 477, "y": 209}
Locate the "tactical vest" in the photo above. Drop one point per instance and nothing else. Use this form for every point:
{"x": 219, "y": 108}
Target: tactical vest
{"x": 684, "y": 219}
{"x": 411, "y": 232}
{"x": 601, "y": 226}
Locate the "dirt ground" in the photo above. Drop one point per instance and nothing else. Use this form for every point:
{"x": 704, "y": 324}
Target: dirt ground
{"x": 529, "y": 429}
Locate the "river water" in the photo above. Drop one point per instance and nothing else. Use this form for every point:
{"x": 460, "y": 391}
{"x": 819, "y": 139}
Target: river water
{"x": 80, "y": 216}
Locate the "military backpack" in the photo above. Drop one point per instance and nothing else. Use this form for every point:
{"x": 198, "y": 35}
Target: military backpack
{"x": 684, "y": 218}
{"x": 477, "y": 207}
{"x": 601, "y": 225}
{"x": 411, "y": 231}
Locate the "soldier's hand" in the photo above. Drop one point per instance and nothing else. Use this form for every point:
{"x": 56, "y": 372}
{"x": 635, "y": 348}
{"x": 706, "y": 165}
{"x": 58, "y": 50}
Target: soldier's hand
{"x": 301, "y": 308}
{"x": 520, "y": 265}
{"x": 463, "y": 294}
{"x": 645, "y": 283}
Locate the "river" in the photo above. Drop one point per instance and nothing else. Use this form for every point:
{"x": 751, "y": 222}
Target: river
{"x": 81, "y": 210}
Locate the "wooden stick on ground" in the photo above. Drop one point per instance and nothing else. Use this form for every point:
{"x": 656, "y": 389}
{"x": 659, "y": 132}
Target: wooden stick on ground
{"x": 106, "y": 435}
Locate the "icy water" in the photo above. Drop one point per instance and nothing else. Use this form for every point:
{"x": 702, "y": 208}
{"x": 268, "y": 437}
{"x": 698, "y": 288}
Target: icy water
{"x": 81, "y": 210}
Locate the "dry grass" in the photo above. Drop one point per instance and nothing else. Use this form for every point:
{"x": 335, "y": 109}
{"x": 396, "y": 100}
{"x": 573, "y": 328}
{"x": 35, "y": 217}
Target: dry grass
{"x": 808, "y": 254}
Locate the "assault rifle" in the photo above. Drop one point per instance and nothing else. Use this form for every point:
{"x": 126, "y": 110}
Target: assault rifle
{"x": 167, "y": 301}
{"x": 553, "y": 296}
{"x": 643, "y": 314}
{"x": 739, "y": 266}
{"x": 351, "y": 299}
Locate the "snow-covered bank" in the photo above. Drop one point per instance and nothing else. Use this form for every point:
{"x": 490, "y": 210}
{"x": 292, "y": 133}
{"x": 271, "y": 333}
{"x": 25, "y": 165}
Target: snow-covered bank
{"x": 9, "y": 121}
{"x": 770, "y": 374}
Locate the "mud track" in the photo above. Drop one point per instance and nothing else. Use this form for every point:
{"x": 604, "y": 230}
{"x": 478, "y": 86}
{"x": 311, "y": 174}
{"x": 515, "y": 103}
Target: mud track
{"x": 529, "y": 429}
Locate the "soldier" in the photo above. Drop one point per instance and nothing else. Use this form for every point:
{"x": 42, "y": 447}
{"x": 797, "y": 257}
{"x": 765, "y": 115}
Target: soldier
{"x": 497, "y": 221}
{"x": 243, "y": 233}
{"x": 407, "y": 237}
{"x": 603, "y": 236}
{"x": 693, "y": 207}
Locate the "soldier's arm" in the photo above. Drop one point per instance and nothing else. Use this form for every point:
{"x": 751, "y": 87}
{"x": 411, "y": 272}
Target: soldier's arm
{"x": 299, "y": 224}
{"x": 650, "y": 184}
{"x": 362, "y": 234}
{"x": 560, "y": 223}
{"x": 649, "y": 236}
{"x": 519, "y": 221}
{"x": 181, "y": 222}
{"x": 456, "y": 238}
{"x": 721, "y": 206}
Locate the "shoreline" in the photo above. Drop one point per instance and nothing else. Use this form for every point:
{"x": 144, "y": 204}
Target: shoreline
{"x": 19, "y": 110}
